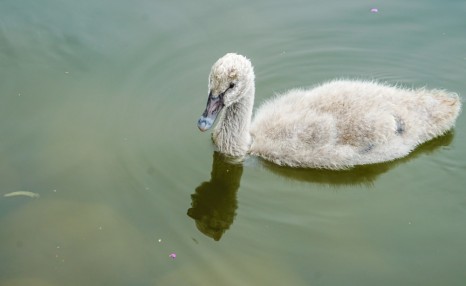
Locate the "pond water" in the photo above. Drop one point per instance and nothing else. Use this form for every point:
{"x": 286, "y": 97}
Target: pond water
{"x": 98, "y": 112}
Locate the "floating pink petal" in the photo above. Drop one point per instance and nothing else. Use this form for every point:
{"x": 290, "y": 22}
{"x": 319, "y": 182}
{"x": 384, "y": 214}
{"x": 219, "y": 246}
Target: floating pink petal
{"x": 172, "y": 255}
{"x": 374, "y": 10}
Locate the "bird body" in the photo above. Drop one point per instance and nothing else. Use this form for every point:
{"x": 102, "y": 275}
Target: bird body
{"x": 336, "y": 125}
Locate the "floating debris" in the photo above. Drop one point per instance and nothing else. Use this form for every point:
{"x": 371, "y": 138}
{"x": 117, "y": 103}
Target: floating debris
{"x": 22, "y": 193}
{"x": 374, "y": 10}
{"x": 172, "y": 255}
{"x": 160, "y": 240}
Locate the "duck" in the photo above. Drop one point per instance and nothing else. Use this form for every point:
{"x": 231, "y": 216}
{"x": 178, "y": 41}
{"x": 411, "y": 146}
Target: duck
{"x": 336, "y": 125}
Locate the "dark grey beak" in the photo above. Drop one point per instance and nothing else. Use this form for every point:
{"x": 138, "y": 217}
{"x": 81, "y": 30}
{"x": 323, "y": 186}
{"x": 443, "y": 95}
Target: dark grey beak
{"x": 213, "y": 108}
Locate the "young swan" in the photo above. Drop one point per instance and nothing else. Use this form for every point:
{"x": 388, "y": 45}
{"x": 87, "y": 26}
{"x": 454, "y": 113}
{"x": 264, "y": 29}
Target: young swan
{"x": 336, "y": 125}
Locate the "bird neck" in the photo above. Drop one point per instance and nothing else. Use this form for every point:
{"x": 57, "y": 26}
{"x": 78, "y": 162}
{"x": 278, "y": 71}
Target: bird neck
{"x": 232, "y": 135}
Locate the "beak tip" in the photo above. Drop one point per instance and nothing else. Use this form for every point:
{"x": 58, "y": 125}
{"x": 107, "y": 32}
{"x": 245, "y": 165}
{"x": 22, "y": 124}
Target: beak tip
{"x": 204, "y": 124}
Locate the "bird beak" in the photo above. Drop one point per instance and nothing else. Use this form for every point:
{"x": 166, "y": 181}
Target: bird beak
{"x": 213, "y": 108}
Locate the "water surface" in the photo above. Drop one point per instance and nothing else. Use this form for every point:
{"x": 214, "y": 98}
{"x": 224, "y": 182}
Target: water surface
{"x": 98, "y": 112}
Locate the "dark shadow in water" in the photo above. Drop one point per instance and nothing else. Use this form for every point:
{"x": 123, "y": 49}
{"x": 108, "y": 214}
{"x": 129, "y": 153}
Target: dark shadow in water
{"x": 214, "y": 203}
{"x": 360, "y": 175}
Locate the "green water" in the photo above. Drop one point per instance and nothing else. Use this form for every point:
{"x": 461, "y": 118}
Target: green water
{"x": 98, "y": 108}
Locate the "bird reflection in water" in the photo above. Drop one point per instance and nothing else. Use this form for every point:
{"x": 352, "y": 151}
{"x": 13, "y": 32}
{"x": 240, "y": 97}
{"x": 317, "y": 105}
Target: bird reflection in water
{"x": 214, "y": 203}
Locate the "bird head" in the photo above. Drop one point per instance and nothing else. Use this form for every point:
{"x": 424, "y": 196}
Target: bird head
{"x": 228, "y": 79}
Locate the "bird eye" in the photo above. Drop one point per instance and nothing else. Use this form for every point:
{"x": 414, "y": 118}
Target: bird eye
{"x": 232, "y": 85}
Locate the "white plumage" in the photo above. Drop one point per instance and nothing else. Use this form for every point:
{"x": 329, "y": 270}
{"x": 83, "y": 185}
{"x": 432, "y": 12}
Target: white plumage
{"x": 336, "y": 125}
